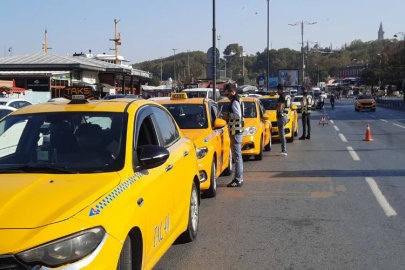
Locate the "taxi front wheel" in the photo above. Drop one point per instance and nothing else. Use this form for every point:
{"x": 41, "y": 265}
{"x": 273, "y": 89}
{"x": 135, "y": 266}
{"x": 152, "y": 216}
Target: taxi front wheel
{"x": 228, "y": 171}
{"x": 125, "y": 262}
{"x": 212, "y": 191}
{"x": 192, "y": 228}
{"x": 260, "y": 155}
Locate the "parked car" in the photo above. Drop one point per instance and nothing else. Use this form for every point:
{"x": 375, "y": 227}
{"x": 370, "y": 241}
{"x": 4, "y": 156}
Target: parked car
{"x": 121, "y": 96}
{"x": 14, "y": 102}
{"x": 6, "y": 110}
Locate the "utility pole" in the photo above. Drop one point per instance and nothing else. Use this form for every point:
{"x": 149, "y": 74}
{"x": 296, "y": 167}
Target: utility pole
{"x": 174, "y": 65}
{"x": 117, "y": 41}
{"x": 219, "y": 58}
{"x": 161, "y": 69}
{"x": 307, "y": 66}
{"x": 302, "y": 23}
{"x": 214, "y": 52}
{"x": 46, "y": 48}
{"x": 268, "y": 48}
{"x": 188, "y": 62}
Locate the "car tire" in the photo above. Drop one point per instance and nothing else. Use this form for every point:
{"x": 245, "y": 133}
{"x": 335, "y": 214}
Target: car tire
{"x": 228, "y": 171}
{"x": 211, "y": 192}
{"x": 125, "y": 261}
{"x": 268, "y": 146}
{"x": 193, "y": 217}
{"x": 260, "y": 155}
{"x": 291, "y": 139}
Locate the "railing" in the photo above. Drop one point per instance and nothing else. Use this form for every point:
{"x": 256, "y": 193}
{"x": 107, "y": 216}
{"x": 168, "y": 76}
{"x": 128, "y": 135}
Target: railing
{"x": 392, "y": 104}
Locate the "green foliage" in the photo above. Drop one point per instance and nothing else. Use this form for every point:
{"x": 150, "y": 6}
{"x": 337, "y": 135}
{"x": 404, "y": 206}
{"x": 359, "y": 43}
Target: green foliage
{"x": 155, "y": 81}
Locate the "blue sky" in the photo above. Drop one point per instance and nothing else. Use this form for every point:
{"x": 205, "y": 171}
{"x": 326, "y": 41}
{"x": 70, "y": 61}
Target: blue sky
{"x": 151, "y": 28}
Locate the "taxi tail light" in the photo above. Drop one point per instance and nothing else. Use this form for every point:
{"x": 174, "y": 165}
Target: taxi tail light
{"x": 65, "y": 250}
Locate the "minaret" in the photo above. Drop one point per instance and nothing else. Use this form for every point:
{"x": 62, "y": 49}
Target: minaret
{"x": 381, "y": 33}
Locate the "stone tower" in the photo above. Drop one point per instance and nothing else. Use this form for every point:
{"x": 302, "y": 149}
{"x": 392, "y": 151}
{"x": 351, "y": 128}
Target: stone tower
{"x": 381, "y": 32}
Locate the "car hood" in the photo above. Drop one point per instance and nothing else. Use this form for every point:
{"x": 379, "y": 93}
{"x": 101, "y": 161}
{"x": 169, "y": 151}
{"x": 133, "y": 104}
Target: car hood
{"x": 365, "y": 100}
{"x": 35, "y": 200}
{"x": 198, "y": 136}
{"x": 273, "y": 115}
{"x": 251, "y": 122}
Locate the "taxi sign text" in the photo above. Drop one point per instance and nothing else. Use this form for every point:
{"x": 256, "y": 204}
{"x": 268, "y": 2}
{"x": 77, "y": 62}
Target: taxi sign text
{"x": 179, "y": 96}
{"x": 78, "y": 93}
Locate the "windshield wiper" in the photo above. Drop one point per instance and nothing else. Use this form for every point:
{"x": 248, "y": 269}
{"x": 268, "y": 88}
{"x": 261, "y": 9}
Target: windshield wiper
{"x": 38, "y": 169}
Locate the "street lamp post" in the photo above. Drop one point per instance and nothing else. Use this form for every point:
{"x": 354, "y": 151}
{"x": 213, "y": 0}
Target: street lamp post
{"x": 403, "y": 83}
{"x": 214, "y": 52}
{"x": 268, "y": 45}
{"x": 174, "y": 65}
{"x": 317, "y": 82}
{"x": 302, "y": 23}
{"x": 161, "y": 70}
{"x": 188, "y": 62}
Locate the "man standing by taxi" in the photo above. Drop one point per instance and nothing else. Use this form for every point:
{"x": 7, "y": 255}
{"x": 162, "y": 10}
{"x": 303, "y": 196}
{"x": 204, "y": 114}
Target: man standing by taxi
{"x": 306, "y": 105}
{"x": 283, "y": 106}
{"x": 236, "y": 128}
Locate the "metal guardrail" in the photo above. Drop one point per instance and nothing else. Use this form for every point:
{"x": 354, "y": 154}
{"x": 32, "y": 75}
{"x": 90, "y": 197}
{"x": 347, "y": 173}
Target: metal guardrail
{"x": 392, "y": 104}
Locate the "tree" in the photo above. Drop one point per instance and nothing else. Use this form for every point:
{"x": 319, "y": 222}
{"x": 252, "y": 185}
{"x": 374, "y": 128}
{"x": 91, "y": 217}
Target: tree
{"x": 155, "y": 81}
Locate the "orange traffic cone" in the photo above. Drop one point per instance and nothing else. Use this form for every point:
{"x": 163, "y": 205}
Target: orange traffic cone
{"x": 368, "y": 135}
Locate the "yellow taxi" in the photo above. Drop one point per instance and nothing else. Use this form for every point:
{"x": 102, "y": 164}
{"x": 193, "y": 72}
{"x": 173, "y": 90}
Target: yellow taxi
{"x": 365, "y": 102}
{"x": 94, "y": 185}
{"x": 291, "y": 129}
{"x": 256, "y": 136}
{"x": 198, "y": 119}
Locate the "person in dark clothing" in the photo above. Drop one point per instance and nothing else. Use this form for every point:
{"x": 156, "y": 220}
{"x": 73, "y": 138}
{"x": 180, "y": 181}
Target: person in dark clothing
{"x": 332, "y": 100}
{"x": 283, "y": 106}
{"x": 306, "y": 105}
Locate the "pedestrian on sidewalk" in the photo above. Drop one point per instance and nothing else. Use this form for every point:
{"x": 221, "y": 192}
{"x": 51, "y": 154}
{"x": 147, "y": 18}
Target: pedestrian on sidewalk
{"x": 283, "y": 107}
{"x": 236, "y": 127}
{"x": 306, "y": 105}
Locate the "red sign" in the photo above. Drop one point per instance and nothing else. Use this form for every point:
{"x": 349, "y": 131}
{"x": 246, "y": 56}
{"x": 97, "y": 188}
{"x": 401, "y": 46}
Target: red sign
{"x": 119, "y": 43}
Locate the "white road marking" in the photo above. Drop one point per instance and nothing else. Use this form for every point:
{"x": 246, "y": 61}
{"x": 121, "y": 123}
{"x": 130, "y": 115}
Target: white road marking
{"x": 342, "y": 137}
{"x": 383, "y": 120}
{"x": 337, "y": 129}
{"x": 332, "y": 121}
{"x": 389, "y": 211}
{"x": 399, "y": 125}
{"x": 353, "y": 153}
{"x": 372, "y": 116}
{"x": 366, "y": 113}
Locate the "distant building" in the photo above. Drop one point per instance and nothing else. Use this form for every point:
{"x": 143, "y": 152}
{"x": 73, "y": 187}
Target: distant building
{"x": 381, "y": 32}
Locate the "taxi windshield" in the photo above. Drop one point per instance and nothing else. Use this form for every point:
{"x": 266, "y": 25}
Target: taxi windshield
{"x": 366, "y": 97}
{"x": 75, "y": 142}
{"x": 189, "y": 116}
{"x": 269, "y": 103}
{"x": 249, "y": 109}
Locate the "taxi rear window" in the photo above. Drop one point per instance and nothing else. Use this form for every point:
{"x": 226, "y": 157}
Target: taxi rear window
{"x": 78, "y": 142}
{"x": 189, "y": 116}
{"x": 269, "y": 103}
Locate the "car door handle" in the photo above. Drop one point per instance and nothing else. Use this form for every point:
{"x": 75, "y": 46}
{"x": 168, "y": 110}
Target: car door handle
{"x": 140, "y": 202}
{"x": 185, "y": 153}
{"x": 168, "y": 168}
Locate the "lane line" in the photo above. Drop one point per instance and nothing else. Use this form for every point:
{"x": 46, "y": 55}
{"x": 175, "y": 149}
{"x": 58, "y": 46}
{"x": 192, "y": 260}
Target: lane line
{"x": 372, "y": 116}
{"x": 342, "y": 137}
{"x": 337, "y": 129}
{"x": 353, "y": 153}
{"x": 398, "y": 125}
{"x": 332, "y": 122}
{"x": 383, "y": 120}
{"x": 389, "y": 211}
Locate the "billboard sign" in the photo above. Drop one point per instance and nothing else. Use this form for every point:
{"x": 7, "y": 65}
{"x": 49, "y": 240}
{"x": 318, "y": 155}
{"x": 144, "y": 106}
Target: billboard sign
{"x": 260, "y": 80}
{"x": 273, "y": 82}
{"x": 288, "y": 77}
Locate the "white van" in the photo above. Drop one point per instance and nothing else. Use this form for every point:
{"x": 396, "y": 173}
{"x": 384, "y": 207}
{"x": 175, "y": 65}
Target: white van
{"x": 202, "y": 93}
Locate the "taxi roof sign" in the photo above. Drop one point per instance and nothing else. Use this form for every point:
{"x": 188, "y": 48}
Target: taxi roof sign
{"x": 78, "y": 93}
{"x": 272, "y": 93}
{"x": 179, "y": 96}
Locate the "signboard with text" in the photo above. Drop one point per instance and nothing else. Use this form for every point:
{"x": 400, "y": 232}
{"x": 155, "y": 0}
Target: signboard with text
{"x": 38, "y": 84}
{"x": 288, "y": 77}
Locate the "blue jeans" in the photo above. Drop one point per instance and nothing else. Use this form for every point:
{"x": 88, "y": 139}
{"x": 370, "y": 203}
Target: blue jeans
{"x": 281, "y": 122}
{"x": 236, "y": 147}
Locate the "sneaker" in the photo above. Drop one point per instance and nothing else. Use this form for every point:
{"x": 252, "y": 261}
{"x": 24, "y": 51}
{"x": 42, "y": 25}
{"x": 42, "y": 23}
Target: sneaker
{"x": 308, "y": 137}
{"x": 235, "y": 183}
{"x": 301, "y": 138}
{"x": 283, "y": 153}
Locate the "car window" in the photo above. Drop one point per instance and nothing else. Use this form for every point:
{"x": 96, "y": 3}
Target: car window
{"x": 297, "y": 99}
{"x": 269, "y": 103}
{"x": 260, "y": 106}
{"x": 147, "y": 133}
{"x": 4, "y": 113}
{"x": 13, "y": 104}
{"x": 3, "y": 102}
{"x": 249, "y": 110}
{"x": 23, "y": 104}
{"x": 189, "y": 116}
{"x": 166, "y": 126}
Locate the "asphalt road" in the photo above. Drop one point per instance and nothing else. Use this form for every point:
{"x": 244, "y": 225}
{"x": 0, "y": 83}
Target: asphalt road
{"x": 321, "y": 207}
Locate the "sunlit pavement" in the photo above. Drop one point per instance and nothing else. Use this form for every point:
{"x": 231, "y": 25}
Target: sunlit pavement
{"x": 335, "y": 202}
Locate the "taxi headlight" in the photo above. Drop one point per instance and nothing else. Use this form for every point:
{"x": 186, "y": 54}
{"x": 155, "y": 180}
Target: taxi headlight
{"x": 249, "y": 131}
{"x": 65, "y": 250}
{"x": 202, "y": 152}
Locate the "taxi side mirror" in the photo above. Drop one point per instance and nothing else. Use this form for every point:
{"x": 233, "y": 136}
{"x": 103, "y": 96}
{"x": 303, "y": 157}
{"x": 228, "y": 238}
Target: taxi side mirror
{"x": 150, "y": 156}
{"x": 294, "y": 107}
{"x": 219, "y": 123}
{"x": 266, "y": 117}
